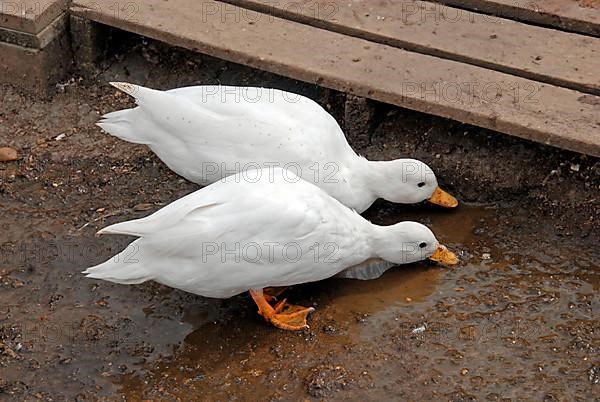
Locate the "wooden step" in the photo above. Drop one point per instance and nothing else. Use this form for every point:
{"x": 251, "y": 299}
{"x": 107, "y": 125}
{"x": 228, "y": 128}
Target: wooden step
{"x": 572, "y": 61}
{"x": 582, "y": 16}
{"x": 35, "y": 52}
{"x": 548, "y": 114}
{"x": 30, "y": 16}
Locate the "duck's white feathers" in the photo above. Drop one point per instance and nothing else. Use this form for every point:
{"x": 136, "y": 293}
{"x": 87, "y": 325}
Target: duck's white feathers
{"x": 227, "y": 124}
{"x": 225, "y": 239}
{"x": 205, "y": 133}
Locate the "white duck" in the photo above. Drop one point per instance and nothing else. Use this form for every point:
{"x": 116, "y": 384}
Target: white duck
{"x": 259, "y": 229}
{"x": 205, "y": 133}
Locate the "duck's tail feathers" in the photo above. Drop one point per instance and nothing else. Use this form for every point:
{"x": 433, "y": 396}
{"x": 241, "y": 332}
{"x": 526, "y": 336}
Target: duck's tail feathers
{"x": 140, "y": 93}
{"x": 127, "y": 124}
{"x": 132, "y": 228}
{"x": 125, "y": 268}
{"x": 122, "y": 129}
{"x": 133, "y": 90}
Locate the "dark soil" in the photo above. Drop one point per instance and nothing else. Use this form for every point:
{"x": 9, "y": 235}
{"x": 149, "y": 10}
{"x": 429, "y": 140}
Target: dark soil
{"x": 516, "y": 320}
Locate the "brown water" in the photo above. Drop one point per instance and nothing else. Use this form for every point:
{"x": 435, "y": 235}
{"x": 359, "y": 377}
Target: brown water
{"x": 514, "y": 320}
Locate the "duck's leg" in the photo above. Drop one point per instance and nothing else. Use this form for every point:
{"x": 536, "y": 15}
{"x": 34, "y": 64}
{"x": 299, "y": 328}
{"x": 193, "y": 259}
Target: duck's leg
{"x": 271, "y": 294}
{"x": 283, "y": 315}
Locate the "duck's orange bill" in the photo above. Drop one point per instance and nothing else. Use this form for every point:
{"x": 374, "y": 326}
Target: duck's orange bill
{"x": 440, "y": 197}
{"x": 444, "y": 256}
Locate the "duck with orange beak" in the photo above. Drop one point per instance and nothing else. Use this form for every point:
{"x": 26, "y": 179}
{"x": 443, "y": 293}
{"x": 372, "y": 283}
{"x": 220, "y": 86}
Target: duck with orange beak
{"x": 275, "y": 230}
{"x": 206, "y": 133}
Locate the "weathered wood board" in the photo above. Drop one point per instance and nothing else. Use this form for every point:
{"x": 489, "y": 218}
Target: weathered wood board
{"x": 475, "y": 95}
{"x": 572, "y": 61}
{"x": 581, "y": 16}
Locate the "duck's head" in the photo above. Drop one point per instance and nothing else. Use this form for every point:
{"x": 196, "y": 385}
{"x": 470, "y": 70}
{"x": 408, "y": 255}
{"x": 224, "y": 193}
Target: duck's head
{"x": 407, "y": 242}
{"x": 408, "y": 181}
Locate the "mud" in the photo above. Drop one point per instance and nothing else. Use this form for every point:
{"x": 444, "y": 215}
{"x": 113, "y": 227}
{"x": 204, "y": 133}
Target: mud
{"x": 516, "y": 320}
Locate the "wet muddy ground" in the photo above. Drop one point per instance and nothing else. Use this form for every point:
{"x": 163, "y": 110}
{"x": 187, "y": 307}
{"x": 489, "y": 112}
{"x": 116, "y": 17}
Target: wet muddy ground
{"x": 517, "y": 319}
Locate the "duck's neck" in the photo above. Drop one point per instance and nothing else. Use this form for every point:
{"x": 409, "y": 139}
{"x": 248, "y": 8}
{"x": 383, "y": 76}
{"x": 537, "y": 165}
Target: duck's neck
{"x": 370, "y": 180}
{"x": 361, "y": 183}
{"x": 376, "y": 235}
{"x": 390, "y": 242}
{"x": 375, "y": 176}
{"x": 379, "y": 238}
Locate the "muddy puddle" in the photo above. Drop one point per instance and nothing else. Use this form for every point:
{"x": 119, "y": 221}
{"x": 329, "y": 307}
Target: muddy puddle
{"x": 516, "y": 313}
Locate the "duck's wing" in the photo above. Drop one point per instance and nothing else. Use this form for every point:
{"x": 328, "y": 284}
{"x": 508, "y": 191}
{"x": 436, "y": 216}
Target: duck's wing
{"x": 265, "y": 126}
{"x": 239, "y": 204}
{"x": 171, "y": 248}
{"x": 236, "y": 123}
{"x": 263, "y": 121}
{"x": 260, "y": 103}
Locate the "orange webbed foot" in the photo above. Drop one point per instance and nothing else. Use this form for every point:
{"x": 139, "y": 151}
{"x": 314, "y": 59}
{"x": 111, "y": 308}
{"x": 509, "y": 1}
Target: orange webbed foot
{"x": 284, "y": 316}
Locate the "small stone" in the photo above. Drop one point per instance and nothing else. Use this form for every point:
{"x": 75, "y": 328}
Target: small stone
{"x": 464, "y": 371}
{"x": 486, "y": 256}
{"x": 102, "y": 303}
{"x": 8, "y": 154}
{"x": 47, "y": 235}
{"x": 409, "y": 300}
{"x": 479, "y": 231}
{"x": 493, "y": 36}
{"x": 575, "y": 167}
{"x": 6, "y": 351}
{"x": 594, "y": 375}
{"x": 468, "y": 332}
{"x": 142, "y": 207}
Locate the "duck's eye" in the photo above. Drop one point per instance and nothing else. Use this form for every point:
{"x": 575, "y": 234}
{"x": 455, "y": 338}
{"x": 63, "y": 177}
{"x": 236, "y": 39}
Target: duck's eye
{"x": 421, "y": 184}
{"x": 423, "y": 245}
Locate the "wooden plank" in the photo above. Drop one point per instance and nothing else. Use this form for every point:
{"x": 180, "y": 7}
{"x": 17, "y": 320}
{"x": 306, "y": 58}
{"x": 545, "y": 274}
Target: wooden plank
{"x": 528, "y": 109}
{"x": 582, "y": 16}
{"x": 573, "y": 61}
{"x": 29, "y": 16}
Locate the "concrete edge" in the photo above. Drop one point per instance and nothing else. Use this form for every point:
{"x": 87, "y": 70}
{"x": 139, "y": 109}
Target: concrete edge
{"x": 30, "y": 17}
{"x": 35, "y": 41}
